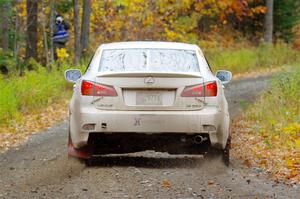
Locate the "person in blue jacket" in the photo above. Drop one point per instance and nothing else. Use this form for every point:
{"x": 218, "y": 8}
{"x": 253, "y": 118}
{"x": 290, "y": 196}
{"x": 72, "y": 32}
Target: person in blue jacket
{"x": 60, "y": 34}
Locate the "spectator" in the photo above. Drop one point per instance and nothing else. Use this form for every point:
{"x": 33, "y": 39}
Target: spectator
{"x": 60, "y": 34}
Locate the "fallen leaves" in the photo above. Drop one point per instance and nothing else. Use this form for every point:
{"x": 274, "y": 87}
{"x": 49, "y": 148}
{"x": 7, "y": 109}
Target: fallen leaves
{"x": 166, "y": 184}
{"x": 31, "y": 123}
{"x": 260, "y": 72}
{"x": 279, "y": 156}
{"x": 211, "y": 182}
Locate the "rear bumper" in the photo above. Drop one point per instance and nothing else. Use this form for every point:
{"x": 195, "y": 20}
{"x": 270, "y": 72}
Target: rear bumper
{"x": 151, "y": 122}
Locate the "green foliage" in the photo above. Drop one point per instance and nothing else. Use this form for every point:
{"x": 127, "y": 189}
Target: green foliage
{"x": 277, "y": 112}
{"x": 34, "y": 90}
{"x": 252, "y": 58}
{"x": 286, "y": 16}
{"x": 7, "y": 61}
{"x": 270, "y": 128}
{"x": 32, "y": 64}
{"x": 63, "y": 6}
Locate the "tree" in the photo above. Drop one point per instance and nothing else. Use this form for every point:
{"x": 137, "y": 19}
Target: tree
{"x": 16, "y": 31}
{"x": 286, "y": 17}
{"x": 268, "y": 37}
{"x": 52, "y": 13}
{"x": 76, "y": 32}
{"x": 4, "y": 24}
{"x": 44, "y": 22}
{"x": 85, "y": 26}
{"x": 32, "y": 29}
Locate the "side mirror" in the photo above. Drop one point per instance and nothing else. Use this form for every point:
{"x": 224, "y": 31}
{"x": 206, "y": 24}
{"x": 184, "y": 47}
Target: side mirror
{"x": 224, "y": 75}
{"x": 72, "y": 75}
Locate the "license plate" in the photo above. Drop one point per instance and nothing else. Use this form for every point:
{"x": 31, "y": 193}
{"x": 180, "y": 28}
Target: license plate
{"x": 149, "y": 98}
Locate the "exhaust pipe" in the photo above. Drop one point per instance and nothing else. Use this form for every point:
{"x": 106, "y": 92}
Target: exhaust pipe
{"x": 198, "y": 139}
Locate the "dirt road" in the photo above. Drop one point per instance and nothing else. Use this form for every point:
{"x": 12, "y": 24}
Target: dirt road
{"x": 41, "y": 169}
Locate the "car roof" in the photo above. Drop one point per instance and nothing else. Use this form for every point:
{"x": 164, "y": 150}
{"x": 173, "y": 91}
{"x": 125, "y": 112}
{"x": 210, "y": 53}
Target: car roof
{"x": 149, "y": 44}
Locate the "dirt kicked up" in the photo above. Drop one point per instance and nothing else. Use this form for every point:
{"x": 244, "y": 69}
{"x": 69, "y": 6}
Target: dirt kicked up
{"x": 40, "y": 168}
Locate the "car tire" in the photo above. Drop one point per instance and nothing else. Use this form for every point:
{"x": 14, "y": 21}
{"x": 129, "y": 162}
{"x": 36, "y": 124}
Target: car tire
{"x": 221, "y": 153}
{"x": 226, "y": 152}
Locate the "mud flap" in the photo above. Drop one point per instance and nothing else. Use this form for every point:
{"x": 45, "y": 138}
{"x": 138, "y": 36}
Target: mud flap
{"x": 83, "y": 153}
{"x": 226, "y": 154}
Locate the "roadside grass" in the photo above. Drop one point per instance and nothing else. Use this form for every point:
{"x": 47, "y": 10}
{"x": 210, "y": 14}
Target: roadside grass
{"x": 268, "y": 134}
{"x": 35, "y": 90}
{"x": 250, "y": 59}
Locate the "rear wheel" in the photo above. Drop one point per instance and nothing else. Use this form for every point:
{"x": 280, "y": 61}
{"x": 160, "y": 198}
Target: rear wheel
{"x": 226, "y": 152}
{"x": 223, "y": 153}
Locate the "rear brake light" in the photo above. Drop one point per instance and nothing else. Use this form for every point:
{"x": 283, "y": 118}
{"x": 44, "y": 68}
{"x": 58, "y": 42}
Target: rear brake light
{"x": 209, "y": 89}
{"x": 94, "y": 89}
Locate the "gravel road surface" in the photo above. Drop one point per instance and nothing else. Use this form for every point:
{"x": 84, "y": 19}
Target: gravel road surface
{"x": 40, "y": 168}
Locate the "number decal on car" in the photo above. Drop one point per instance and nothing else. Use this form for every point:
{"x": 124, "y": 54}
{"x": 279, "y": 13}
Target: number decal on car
{"x": 137, "y": 121}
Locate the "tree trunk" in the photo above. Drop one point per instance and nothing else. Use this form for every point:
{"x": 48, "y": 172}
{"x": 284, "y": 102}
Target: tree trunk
{"x": 16, "y": 37}
{"x": 4, "y": 19}
{"x": 17, "y": 33}
{"x": 85, "y": 26}
{"x": 77, "y": 32}
{"x": 44, "y": 23}
{"x": 52, "y": 13}
{"x": 268, "y": 37}
{"x": 32, "y": 29}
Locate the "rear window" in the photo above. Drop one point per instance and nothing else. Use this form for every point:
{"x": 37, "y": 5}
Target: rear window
{"x": 164, "y": 60}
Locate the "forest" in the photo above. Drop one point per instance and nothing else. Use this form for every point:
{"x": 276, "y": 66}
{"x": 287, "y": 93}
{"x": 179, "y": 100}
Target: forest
{"x": 243, "y": 36}
{"x": 27, "y": 26}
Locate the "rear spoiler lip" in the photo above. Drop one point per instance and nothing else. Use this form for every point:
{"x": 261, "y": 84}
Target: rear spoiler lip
{"x": 149, "y": 74}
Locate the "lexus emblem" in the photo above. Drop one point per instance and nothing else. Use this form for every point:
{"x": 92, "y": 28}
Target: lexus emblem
{"x": 149, "y": 80}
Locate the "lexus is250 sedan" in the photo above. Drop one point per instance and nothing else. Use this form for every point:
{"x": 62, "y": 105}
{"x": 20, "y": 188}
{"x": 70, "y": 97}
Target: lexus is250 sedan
{"x": 137, "y": 96}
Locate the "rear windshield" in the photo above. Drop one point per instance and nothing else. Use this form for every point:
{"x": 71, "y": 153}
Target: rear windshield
{"x": 164, "y": 60}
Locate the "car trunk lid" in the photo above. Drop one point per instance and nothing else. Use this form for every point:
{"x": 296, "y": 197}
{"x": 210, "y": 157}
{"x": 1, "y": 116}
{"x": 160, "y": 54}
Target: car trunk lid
{"x": 148, "y": 91}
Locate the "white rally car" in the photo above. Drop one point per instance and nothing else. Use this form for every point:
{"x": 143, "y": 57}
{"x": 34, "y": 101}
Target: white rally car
{"x": 137, "y": 96}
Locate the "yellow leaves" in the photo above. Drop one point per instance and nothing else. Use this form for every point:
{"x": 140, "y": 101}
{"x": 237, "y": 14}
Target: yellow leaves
{"x": 62, "y": 53}
{"x": 33, "y": 122}
{"x": 297, "y": 143}
{"x": 293, "y": 164}
{"x": 172, "y": 35}
{"x": 21, "y": 9}
{"x": 289, "y": 163}
{"x": 292, "y": 129}
{"x": 282, "y": 159}
{"x": 47, "y": 10}
{"x": 139, "y": 19}
{"x": 149, "y": 20}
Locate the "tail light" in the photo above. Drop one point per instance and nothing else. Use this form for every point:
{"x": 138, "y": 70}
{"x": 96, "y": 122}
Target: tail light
{"x": 208, "y": 89}
{"x": 93, "y": 89}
